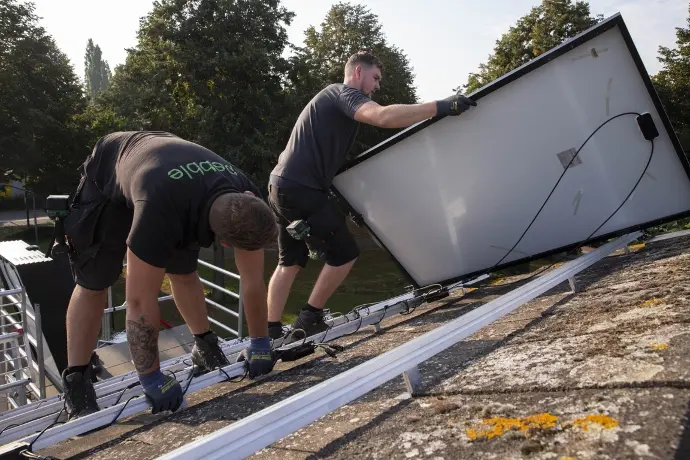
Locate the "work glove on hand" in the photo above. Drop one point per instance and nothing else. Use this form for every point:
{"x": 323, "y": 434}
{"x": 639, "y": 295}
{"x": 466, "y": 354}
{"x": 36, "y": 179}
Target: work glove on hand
{"x": 454, "y": 105}
{"x": 162, "y": 391}
{"x": 259, "y": 356}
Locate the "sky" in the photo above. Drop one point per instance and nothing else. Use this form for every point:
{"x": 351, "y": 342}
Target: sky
{"x": 444, "y": 40}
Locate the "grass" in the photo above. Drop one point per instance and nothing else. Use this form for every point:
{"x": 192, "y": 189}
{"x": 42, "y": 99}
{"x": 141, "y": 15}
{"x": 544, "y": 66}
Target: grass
{"x": 374, "y": 277}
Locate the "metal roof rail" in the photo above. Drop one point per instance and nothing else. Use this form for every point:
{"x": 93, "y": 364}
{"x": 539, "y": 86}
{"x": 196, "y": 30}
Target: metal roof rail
{"x": 112, "y": 392}
{"x": 267, "y": 426}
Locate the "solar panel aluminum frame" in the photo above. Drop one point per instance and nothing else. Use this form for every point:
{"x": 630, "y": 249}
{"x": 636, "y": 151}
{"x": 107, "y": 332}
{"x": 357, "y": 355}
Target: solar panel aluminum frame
{"x": 607, "y": 24}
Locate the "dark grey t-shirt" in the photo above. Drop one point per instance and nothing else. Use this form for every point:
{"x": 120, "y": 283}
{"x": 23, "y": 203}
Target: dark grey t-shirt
{"x": 170, "y": 183}
{"x": 321, "y": 138}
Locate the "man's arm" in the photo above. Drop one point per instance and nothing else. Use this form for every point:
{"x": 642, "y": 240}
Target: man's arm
{"x": 404, "y": 115}
{"x": 394, "y": 115}
{"x": 250, "y": 265}
{"x": 143, "y": 284}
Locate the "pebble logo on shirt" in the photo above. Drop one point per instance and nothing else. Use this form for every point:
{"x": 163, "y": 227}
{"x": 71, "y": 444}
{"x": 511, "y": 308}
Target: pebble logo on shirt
{"x": 191, "y": 169}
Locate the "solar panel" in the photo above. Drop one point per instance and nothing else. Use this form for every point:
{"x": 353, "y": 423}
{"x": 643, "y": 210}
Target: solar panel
{"x": 450, "y": 197}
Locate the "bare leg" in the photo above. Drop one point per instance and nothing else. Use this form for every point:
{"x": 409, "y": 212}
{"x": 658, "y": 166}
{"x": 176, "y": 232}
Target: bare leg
{"x": 84, "y": 315}
{"x": 329, "y": 280}
{"x": 143, "y": 313}
{"x": 279, "y": 290}
{"x": 188, "y": 293}
{"x": 142, "y": 335}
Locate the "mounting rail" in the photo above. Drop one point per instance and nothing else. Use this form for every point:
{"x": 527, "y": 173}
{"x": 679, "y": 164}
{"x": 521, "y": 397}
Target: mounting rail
{"x": 267, "y": 426}
{"x": 26, "y": 423}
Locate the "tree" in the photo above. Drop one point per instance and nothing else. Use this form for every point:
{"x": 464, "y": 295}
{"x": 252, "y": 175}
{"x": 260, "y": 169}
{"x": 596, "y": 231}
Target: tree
{"x": 97, "y": 71}
{"x": 546, "y": 26}
{"x": 673, "y": 83}
{"x": 41, "y": 142}
{"x": 208, "y": 71}
{"x": 346, "y": 29}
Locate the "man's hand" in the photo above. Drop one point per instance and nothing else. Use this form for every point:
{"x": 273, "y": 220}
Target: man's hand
{"x": 454, "y": 105}
{"x": 259, "y": 356}
{"x": 162, "y": 391}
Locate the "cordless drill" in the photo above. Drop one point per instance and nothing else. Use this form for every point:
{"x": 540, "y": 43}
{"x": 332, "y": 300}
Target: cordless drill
{"x": 300, "y": 230}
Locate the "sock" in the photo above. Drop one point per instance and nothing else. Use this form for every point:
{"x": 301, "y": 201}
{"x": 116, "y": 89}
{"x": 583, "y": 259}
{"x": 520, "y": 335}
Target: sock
{"x": 73, "y": 369}
{"x": 201, "y": 336}
{"x": 275, "y": 324}
{"x": 313, "y": 309}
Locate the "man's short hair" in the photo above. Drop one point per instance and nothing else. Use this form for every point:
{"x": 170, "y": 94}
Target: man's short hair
{"x": 363, "y": 58}
{"x": 244, "y": 221}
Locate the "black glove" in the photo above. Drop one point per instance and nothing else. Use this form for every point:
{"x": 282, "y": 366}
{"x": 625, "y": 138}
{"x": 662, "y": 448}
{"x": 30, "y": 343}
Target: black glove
{"x": 162, "y": 391}
{"x": 259, "y": 356}
{"x": 454, "y": 105}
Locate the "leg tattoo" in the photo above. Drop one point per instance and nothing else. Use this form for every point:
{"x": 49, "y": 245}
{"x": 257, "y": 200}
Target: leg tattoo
{"x": 143, "y": 344}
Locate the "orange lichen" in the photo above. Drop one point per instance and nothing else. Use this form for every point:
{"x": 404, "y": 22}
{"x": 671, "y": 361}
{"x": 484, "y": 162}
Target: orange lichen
{"x": 603, "y": 420}
{"x": 496, "y": 426}
{"x": 658, "y": 346}
{"x": 651, "y": 302}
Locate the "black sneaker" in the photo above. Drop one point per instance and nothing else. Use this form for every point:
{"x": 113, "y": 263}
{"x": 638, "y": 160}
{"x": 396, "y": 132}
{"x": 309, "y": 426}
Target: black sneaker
{"x": 80, "y": 396}
{"x": 207, "y": 355}
{"x": 307, "y": 322}
{"x": 276, "y": 332}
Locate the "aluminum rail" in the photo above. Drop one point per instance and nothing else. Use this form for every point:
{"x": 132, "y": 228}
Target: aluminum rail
{"x": 124, "y": 305}
{"x": 219, "y": 270}
{"x": 106, "y": 417}
{"x": 265, "y": 427}
{"x": 10, "y": 386}
{"x": 43, "y": 415}
{"x": 118, "y": 383}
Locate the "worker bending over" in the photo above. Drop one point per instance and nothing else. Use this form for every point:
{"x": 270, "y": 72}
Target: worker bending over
{"x": 156, "y": 199}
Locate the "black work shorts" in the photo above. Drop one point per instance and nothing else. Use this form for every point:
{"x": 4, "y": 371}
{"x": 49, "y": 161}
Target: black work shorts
{"x": 97, "y": 229}
{"x": 326, "y": 220}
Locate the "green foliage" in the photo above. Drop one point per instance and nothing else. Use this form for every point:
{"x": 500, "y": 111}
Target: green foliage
{"x": 672, "y": 83}
{"x": 546, "y": 26}
{"x": 41, "y": 142}
{"x": 208, "y": 71}
{"x": 346, "y": 29}
{"x": 97, "y": 71}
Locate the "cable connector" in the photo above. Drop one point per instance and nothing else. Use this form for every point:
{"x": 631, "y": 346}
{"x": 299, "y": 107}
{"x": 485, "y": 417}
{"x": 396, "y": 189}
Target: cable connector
{"x": 295, "y": 353}
{"x": 647, "y": 126}
{"x": 331, "y": 350}
{"x": 433, "y": 296}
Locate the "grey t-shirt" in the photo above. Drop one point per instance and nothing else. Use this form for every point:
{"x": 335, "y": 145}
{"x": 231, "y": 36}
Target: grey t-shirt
{"x": 170, "y": 183}
{"x": 321, "y": 138}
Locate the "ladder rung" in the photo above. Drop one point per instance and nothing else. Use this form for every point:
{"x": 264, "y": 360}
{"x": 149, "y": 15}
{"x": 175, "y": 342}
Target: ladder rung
{"x": 6, "y": 337}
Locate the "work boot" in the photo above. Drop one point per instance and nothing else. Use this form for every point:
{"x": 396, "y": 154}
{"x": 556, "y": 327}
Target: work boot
{"x": 207, "y": 354}
{"x": 80, "y": 396}
{"x": 309, "y": 322}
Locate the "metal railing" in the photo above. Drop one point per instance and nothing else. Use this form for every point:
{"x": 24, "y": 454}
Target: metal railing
{"x": 108, "y": 319}
{"x": 18, "y": 370}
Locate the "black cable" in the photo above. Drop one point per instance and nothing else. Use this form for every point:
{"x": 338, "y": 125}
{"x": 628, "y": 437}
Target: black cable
{"x": 11, "y": 425}
{"x": 566, "y": 170}
{"x": 112, "y": 422}
{"x": 31, "y": 444}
